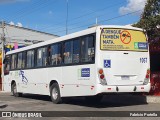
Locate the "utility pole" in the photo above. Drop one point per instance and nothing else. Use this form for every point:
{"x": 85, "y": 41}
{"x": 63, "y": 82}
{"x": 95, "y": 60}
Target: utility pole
{"x": 96, "y": 21}
{"x": 3, "y": 53}
{"x": 67, "y": 19}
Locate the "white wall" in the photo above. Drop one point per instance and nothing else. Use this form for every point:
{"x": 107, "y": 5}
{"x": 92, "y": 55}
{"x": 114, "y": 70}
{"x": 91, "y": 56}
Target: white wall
{"x": 19, "y": 34}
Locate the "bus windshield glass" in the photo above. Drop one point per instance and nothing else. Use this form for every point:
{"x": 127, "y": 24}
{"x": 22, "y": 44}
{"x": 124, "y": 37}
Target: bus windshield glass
{"x": 123, "y": 39}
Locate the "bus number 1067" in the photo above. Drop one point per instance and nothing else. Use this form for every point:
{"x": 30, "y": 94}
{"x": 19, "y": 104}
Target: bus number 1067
{"x": 143, "y": 60}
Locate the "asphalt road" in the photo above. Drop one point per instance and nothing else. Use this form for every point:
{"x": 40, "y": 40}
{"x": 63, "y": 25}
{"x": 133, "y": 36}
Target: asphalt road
{"x": 109, "y": 103}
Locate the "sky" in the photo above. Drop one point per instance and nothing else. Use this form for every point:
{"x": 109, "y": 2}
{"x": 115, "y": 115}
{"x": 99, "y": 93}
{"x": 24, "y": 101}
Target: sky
{"x": 51, "y": 15}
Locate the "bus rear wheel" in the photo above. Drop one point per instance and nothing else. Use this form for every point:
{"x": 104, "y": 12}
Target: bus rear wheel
{"x": 55, "y": 93}
{"x": 14, "y": 91}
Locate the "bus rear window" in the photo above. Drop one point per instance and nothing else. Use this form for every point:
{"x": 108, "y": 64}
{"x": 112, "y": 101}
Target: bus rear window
{"x": 123, "y": 39}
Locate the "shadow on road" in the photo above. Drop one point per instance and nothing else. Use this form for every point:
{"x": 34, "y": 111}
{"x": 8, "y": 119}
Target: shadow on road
{"x": 107, "y": 101}
{"x": 3, "y": 106}
{"x": 111, "y": 101}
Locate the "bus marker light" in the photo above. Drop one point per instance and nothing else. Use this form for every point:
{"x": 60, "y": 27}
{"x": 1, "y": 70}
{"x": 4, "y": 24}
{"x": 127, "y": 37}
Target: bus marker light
{"x": 92, "y": 87}
{"x": 109, "y": 88}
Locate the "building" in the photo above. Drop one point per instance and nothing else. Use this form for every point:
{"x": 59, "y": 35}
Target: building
{"x": 24, "y": 36}
{"x": 21, "y": 37}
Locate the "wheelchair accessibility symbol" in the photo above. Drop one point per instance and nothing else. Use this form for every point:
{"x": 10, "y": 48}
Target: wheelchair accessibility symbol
{"x": 107, "y": 63}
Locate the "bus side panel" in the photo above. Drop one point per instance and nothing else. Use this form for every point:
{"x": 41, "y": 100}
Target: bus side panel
{"x": 54, "y": 74}
{"x": 14, "y": 76}
{"x": 37, "y": 81}
{"x": 78, "y": 80}
{"x": 32, "y": 81}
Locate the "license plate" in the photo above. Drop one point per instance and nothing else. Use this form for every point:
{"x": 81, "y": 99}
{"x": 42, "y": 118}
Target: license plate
{"x": 125, "y": 77}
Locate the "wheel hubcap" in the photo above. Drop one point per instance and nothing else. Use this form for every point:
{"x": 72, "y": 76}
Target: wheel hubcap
{"x": 55, "y": 93}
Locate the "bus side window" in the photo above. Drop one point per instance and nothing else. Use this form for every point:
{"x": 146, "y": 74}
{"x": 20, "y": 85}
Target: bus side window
{"x": 56, "y": 57}
{"x": 19, "y": 63}
{"x": 76, "y": 50}
{"x": 30, "y": 59}
{"x": 49, "y": 55}
{"x": 68, "y": 52}
{"x": 91, "y": 48}
{"x": 44, "y": 58}
{"x": 6, "y": 65}
{"x": 88, "y": 49}
{"x": 14, "y": 61}
{"x": 23, "y": 59}
{"x": 39, "y": 57}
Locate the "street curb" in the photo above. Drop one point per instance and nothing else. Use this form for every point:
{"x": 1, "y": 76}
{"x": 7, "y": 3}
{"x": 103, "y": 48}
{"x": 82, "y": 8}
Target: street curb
{"x": 153, "y": 99}
{"x": 4, "y": 92}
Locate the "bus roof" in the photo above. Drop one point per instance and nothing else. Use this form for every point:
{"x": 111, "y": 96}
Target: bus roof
{"x": 73, "y": 35}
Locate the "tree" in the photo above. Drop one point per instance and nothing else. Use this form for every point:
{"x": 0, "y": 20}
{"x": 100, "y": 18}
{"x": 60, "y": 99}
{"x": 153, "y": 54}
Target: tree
{"x": 150, "y": 19}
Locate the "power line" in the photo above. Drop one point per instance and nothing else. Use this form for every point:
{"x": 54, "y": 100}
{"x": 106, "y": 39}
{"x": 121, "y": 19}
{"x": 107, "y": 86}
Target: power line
{"x": 111, "y": 6}
{"x": 34, "y": 10}
{"x": 21, "y": 11}
{"x": 90, "y": 18}
{"x": 80, "y": 21}
{"x": 103, "y": 20}
{"x": 116, "y": 17}
{"x": 37, "y": 6}
{"x": 84, "y": 15}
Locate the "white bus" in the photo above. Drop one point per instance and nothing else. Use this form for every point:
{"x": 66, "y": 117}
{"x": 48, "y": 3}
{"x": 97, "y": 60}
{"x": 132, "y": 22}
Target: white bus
{"x": 90, "y": 63}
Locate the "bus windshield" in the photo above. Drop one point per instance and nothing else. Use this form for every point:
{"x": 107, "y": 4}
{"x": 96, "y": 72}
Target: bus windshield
{"x": 123, "y": 39}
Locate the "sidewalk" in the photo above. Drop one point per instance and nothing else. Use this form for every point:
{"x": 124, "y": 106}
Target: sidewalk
{"x": 153, "y": 99}
{"x": 4, "y": 93}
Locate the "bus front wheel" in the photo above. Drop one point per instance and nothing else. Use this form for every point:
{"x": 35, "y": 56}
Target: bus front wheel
{"x": 14, "y": 91}
{"x": 55, "y": 93}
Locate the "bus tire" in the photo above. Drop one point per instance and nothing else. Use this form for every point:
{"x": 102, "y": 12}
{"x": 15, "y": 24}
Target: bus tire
{"x": 55, "y": 93}
{"x": 93, "y": 99}
{"x": 14, "y": 91}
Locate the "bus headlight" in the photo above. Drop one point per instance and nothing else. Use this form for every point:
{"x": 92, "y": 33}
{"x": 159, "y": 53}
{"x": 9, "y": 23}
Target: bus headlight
{"x": 102, "y": 77}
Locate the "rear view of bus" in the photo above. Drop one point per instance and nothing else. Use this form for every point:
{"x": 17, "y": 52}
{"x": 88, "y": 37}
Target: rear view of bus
{"x": 123, "y": 60}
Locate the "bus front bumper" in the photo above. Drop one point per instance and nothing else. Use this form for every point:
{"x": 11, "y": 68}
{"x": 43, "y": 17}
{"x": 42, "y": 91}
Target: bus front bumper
{"x": 121, "y": 88}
